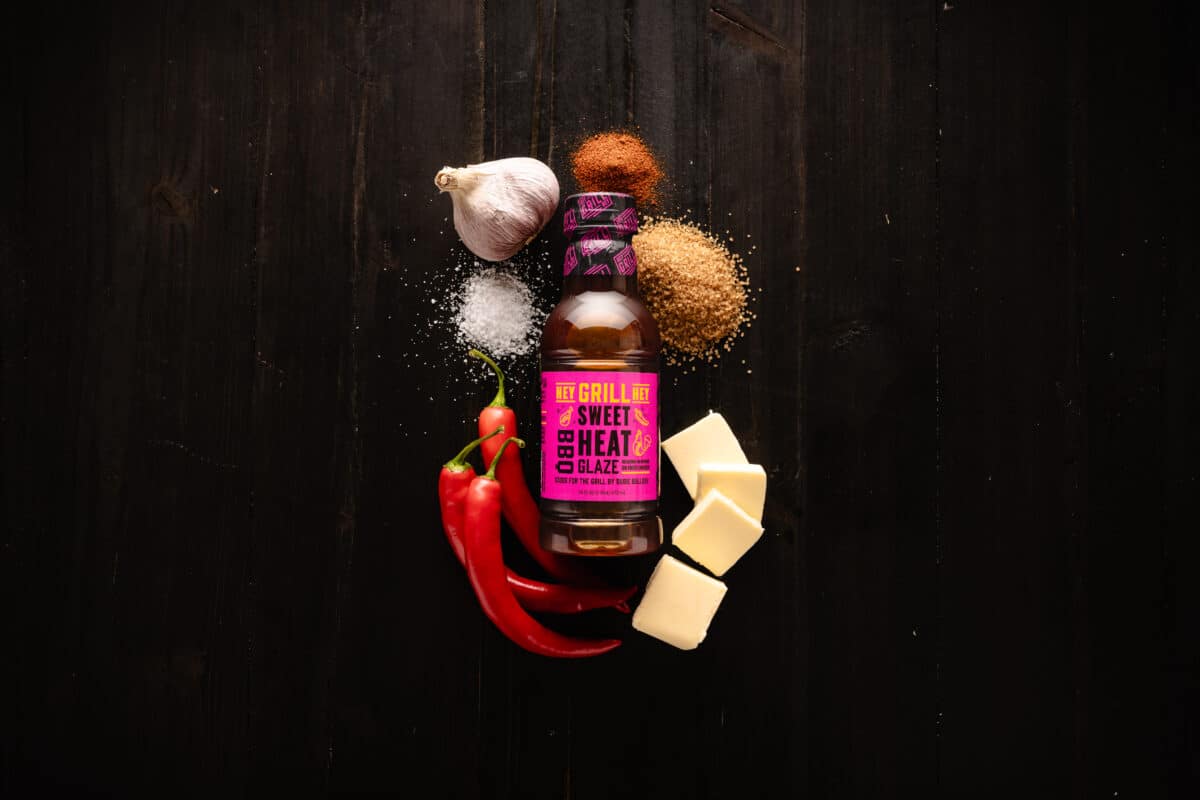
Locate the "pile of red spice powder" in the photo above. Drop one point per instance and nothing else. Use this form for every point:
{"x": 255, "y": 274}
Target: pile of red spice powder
{"x": 617, "y": 161}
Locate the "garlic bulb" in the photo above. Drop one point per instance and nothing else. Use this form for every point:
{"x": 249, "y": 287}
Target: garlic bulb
{"x": 499, "y": 206}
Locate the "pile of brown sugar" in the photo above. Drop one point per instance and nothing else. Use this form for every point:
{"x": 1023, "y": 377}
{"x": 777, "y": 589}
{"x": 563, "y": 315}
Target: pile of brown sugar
{"x": 695, "y": 288}
{"x": 617, "y": 161}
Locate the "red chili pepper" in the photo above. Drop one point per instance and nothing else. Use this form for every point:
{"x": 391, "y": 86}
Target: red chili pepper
{"x": 485, "y": 567}
{"x": 520, "y": 509}
{"x": 453, "y": 482}
{"x": 559, "y": 598}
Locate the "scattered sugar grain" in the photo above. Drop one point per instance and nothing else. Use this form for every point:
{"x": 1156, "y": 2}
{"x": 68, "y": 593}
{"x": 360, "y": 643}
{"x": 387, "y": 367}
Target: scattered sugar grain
{"x": 695, "y": 287}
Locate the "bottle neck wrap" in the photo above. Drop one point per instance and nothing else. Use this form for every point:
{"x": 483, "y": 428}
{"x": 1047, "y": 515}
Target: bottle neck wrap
{"x": 600, "y": 228}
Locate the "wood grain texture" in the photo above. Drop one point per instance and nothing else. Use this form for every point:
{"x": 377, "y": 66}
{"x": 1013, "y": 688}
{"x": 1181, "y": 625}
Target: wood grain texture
{"x": 869, "y": 431}
{"x": 972, "y": 378}
{"x": 1010, "y": 386}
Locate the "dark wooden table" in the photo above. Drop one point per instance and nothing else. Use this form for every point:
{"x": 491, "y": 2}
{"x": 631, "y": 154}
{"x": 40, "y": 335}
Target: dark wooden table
{"x": 973, "y": 380}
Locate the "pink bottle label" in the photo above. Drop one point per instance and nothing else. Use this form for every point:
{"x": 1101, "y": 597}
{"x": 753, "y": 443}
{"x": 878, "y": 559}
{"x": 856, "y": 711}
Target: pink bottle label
{"x": 600, "y": 436}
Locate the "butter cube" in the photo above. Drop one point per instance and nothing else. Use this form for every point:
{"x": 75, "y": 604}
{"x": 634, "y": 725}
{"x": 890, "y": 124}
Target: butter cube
{"x": 709, "y": 440}
{"x": 744, "y": 484}
{"x": 679, "y": 604}
{"x": 717, "y": 533}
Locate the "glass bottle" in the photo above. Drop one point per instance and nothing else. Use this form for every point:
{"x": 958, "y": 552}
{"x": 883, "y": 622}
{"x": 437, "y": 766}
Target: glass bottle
{"x": 599, "y": 361}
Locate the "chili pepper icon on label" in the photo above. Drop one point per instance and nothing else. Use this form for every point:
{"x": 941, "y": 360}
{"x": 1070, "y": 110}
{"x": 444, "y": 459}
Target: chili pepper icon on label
{"x": 564, "y": 419}
{"x": 641, "y": 418}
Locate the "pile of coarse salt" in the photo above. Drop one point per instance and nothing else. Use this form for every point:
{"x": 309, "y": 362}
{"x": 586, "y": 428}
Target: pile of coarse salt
{"x": 496, "y": 312}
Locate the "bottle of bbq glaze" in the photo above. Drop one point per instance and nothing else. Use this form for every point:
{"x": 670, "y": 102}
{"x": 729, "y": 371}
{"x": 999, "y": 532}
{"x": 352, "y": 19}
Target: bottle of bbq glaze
{"x": 600, "y": 454}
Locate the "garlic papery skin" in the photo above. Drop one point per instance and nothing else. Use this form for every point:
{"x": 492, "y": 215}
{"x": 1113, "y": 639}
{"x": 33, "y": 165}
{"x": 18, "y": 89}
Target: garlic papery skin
{"x": 500, "y": 206}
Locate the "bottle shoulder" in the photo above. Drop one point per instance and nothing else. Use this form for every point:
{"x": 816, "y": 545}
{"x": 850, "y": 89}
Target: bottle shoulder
{"x": 600, "y": 322}
{"x": 603, "y": 309}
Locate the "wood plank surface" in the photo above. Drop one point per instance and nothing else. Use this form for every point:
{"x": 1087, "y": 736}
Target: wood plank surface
{"x": 229, "y": 379}
{"x": 1010, "y": 387}
{"x": 870, "y": 391}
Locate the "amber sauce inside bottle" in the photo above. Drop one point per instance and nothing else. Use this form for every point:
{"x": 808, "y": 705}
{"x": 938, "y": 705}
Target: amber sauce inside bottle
{"x": 600, "y": 325}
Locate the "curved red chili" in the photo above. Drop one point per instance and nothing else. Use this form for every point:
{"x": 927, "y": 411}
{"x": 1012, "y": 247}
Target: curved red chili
{"x": 559, "y": 598}
{"x": 518, "y": 505}
{"x": 485, "y": 567}
{"x": 453, "y": 482}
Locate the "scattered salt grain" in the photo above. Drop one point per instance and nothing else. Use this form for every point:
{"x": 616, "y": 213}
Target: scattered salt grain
{"x": 431, "y": 346}
{"x": 497, "y": 313}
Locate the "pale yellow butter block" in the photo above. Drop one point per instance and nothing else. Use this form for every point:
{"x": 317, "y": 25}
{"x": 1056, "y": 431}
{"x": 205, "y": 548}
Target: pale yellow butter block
{"x": 744, "y": 484}
{"x": 709, "y": 440}
{"x": 679, "y": 604}
{"x": 717, "y": 533}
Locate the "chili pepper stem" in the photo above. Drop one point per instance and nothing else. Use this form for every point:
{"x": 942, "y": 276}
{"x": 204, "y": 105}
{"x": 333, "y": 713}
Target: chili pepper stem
{"x": 498, "y": 400}
{"x": 491, "y": 473}
{"x": 459, "y": 462}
